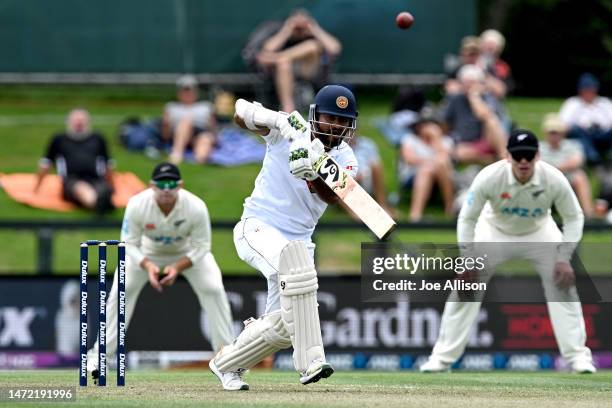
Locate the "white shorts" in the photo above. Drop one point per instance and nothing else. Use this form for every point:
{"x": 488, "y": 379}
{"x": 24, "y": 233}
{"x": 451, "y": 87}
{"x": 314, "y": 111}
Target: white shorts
{"x": 260, "y": 245}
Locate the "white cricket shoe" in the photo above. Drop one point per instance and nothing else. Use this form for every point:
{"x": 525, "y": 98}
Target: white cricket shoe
{"x": 433, "y": 365}
{"x": 315, "y": 371}
{"x": 583, "y": 367}
{"x": 231, "y": 380}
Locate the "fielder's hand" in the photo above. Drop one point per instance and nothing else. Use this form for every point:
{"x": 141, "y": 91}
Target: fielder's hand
{"x": 153, "y": 271}
{"x": 171, "y": 272}
{"x": 564, "y": 275}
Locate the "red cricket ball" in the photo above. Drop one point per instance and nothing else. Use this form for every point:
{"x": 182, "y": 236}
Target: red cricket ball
{"x": 404, "y": 20}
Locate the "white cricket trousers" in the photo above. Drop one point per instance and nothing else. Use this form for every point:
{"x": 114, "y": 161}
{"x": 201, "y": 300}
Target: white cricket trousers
{"x": 260, "y": 245}
{"x": 566, "y": 316}
{"x": 205, "y": 279}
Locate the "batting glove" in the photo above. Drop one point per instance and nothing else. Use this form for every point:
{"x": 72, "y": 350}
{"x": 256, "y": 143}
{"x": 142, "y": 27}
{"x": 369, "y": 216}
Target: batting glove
{"x": 300, "y": 164}
{"x": 295, "y": 127}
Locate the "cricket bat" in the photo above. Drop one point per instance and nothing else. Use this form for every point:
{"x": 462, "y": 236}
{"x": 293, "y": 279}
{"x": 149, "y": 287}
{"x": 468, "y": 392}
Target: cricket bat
{"x": 336, "y": 178}
{"x": 354, "y": 196}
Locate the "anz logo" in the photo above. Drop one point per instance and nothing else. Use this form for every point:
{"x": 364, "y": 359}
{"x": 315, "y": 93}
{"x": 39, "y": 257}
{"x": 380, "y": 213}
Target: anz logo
{"x": 167, "y": 240}
{"x": 522, "y": 212}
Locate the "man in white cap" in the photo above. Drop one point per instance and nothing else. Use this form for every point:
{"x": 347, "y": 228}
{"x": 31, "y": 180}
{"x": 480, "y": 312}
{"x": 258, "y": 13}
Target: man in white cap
{"x": 189, "y": 123}
{"x": 568, "y": 156}
{"x": 517, "y": 194}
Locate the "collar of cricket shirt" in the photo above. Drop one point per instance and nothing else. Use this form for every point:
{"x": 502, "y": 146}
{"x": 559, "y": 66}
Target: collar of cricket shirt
{"x": 535, "y": 179}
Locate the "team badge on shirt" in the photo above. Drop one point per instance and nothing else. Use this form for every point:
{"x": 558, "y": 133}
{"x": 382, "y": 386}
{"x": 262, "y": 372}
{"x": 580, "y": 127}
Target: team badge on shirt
{"x": 150, "y": 226}
{"x": 535, "y": 194}
{"x": 505, "y": 195}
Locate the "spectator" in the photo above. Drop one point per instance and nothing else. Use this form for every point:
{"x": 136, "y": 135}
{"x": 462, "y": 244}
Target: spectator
{"x": 473, "y": 118}
{"x": 589, "y": 118}
{"x": 189, "y": 123}
{"x": 492, "y": 44}
{"x": 425, "y": 160}
{"x": 300, "y": 49}
{"x": 567, "y": 156}
{"x": 82, "y": 161}
{"x": 470, "y": 54}
{"x": 224, "y": 108}
{"x": 406, "y": 107}
{"x": 370, "y": 173}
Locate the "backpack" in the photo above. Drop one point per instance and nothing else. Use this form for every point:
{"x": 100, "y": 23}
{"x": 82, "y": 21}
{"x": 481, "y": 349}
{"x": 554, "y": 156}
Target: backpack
{"x": 136, "y": 135}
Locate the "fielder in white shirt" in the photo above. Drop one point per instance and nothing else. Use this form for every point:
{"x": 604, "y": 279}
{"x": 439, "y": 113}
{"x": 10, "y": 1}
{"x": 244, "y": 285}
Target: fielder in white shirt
{"x": 274, "y": 236}
{"x": 509, "y": 202}
{"x": 167, "y": 233}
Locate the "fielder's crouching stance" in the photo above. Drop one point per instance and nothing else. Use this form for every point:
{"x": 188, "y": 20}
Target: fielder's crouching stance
{"x": 517, "y": 195}
{"x": 167, "y": 229}
{"x": 274, "y": 234}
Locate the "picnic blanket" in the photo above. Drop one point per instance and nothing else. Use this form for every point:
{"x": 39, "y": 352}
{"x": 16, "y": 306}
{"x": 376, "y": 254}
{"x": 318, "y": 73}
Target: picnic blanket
{"x": 20, "y": 187}
{"x": 236, "y": 147}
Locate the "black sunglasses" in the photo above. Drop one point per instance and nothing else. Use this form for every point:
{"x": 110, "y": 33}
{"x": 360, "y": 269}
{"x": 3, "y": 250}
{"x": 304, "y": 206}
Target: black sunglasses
{"x": 519, "y": 155}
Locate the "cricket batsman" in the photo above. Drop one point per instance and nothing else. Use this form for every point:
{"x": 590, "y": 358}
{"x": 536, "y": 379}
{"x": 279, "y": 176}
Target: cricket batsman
{"x": 274, "y": 235}
{"x": 517, "y": 194}
{"x": 167, "y": 233}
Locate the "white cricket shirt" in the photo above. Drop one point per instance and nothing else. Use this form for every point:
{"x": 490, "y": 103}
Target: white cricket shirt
{"x": 519, "y": 209}
{"x": 284, "y": 201}
{"x": 184, "y": 231}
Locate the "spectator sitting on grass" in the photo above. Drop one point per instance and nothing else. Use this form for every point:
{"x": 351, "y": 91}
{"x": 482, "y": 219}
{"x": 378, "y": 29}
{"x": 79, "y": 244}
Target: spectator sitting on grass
{"x": 589, "y": 118}
{"x": 567, "y": 156}
{"x": 426, "y": 160}
{"x": 473, "y": 120}
{"x": 189, "y": 123}
{"x": 82, "y": 161}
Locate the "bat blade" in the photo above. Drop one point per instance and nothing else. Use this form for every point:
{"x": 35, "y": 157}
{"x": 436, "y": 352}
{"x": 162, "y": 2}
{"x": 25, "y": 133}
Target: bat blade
{"x": 355, "y": 197}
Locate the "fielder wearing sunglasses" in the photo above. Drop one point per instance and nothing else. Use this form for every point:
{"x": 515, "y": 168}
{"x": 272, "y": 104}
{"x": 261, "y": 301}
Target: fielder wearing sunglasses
{"x": 523, "y": 150}
{"x": 166, "y": 184}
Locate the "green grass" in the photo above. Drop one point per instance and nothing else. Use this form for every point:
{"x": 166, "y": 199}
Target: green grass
{"x": 30, "y": 114}
{"x": 343, "y": 389}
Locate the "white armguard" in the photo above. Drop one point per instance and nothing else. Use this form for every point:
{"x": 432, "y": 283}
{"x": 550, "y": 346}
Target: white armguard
{"x": 254, "y": 114}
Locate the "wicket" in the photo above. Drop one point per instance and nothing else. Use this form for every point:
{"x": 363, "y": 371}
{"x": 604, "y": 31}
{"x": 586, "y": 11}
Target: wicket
{"x": 102, "y": 293}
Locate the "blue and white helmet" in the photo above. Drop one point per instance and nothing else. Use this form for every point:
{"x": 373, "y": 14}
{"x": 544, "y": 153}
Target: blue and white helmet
{"x": 338, "y": 101}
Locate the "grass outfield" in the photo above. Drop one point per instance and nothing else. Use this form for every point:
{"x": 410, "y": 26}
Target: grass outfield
{"x": 344, "y": 389}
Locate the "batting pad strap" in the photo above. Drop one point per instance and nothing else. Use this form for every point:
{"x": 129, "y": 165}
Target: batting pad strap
{"x": 259, "y": 339}
{"x": 299, "y": 284}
